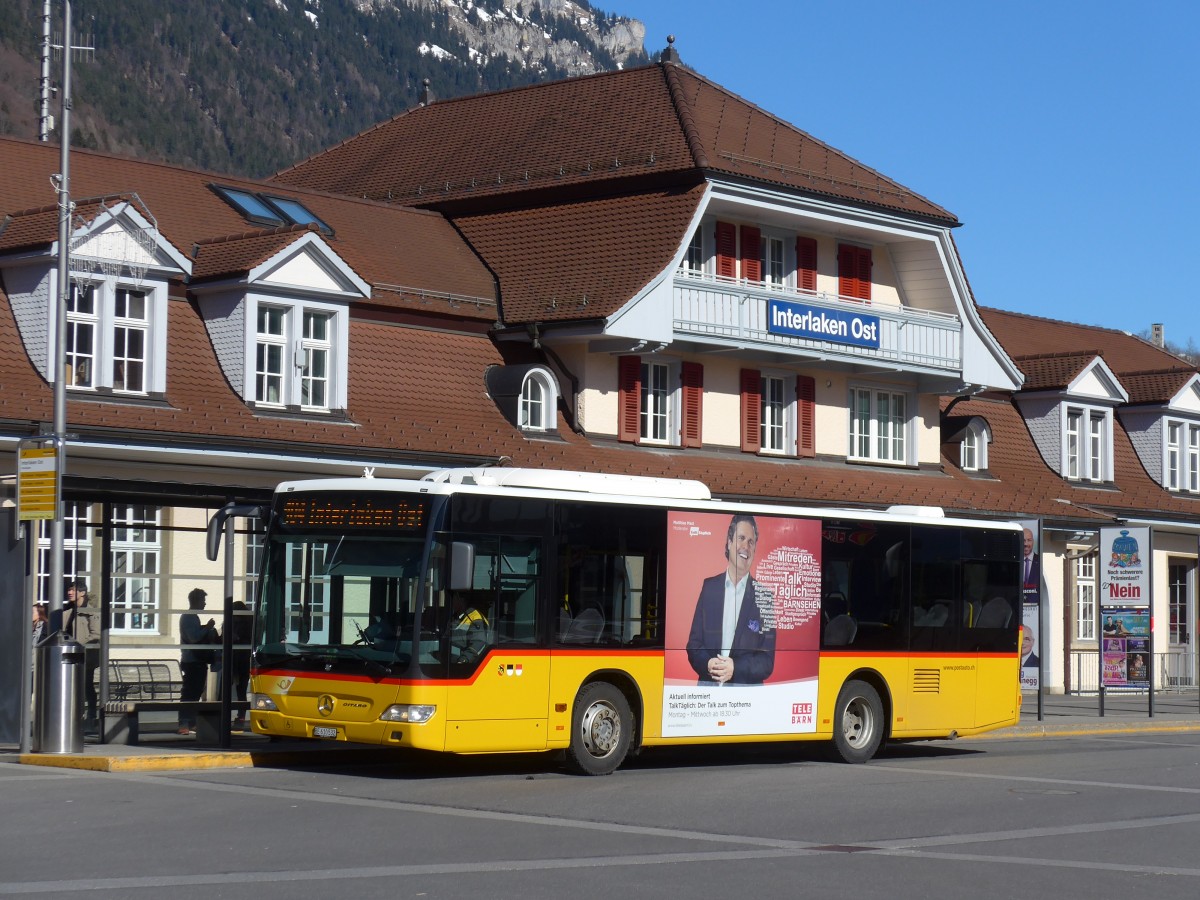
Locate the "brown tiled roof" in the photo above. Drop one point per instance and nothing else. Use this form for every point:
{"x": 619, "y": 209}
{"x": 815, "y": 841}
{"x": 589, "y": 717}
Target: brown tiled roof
{"x": 1050, "y": 371}
{"x": 386, "y": 245}
{"x": 33, "y": 228}
{"x": 1155, "y": 387}
{"x": 582, "y": 259}
{"x": 661, "y": 121}
{"x": 239, "y": 253}
{"x": 1017, "y": 465}
{"x": 1027, "y": 335}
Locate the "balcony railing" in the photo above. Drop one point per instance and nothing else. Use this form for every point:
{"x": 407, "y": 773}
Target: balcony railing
{"x": 733, "y": 312}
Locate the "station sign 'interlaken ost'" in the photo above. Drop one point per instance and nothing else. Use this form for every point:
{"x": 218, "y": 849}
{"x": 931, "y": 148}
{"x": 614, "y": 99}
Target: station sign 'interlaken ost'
{"x": 813, "y": 322}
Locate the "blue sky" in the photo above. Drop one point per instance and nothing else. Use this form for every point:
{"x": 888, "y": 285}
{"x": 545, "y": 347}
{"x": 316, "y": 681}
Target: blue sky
{"x": 1062, "y": 134}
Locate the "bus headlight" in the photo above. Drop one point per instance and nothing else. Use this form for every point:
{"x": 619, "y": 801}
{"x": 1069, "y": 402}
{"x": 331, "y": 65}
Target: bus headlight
{"x": 414, "y": 713}
{"x": 262, "y": 703}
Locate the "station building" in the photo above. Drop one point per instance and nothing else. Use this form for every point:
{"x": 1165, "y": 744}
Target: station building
{"x": 634, "y": 272}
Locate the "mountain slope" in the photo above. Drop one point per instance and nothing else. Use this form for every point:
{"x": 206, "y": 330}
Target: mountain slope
{"x": 250, "y": 86}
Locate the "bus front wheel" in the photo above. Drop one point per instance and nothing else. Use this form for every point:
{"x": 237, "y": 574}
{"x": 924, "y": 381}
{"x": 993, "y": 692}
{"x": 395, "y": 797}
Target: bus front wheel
{"x": 857, "y": 723}
{"x": 601, "y": 729}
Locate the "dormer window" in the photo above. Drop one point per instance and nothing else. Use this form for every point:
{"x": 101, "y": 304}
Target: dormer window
{"x": 538, "y": 401}
{"x": 294, "y": 348}
{"x": 973, "y": 453}
{"x": 1182, "y": 470}
{"x": 109, "y": 336}
{"x": 1088, "y": 450}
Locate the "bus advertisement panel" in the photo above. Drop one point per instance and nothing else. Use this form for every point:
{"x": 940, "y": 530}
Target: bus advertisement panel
{"x": 743, "y": 624}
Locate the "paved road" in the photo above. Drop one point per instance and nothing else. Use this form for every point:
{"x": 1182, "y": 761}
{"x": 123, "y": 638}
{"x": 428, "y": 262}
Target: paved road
{"x": 1089, "y": 816}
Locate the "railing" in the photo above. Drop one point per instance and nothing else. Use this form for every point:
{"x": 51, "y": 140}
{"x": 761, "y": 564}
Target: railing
{"x": 1174, "y": 670}
{"x": 725, "y": 310}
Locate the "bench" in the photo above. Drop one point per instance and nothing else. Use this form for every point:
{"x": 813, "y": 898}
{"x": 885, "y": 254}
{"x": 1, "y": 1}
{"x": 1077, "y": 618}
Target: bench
{"x": 121, "y": 717}
{"x": 144, "y": 679}
{"x": 137, "y": 686}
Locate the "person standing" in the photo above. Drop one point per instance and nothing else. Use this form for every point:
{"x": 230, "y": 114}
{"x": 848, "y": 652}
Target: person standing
{"x": 79, "y": 619}
{"x": 41, "y": 623}
{"x": 194, "y": 662}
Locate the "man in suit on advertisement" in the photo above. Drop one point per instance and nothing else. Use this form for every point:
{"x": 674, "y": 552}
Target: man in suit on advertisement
{"x": 1031, "y": 572}
{"x": 732, "y": 639}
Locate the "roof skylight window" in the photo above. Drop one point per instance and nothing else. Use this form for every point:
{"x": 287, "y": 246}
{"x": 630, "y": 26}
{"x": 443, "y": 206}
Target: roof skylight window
{"x": 263, "y": 209}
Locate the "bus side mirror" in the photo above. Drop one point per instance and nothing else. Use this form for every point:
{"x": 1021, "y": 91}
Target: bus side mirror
{"x": 216, "y": 525}
{"x": 462, "y": 566}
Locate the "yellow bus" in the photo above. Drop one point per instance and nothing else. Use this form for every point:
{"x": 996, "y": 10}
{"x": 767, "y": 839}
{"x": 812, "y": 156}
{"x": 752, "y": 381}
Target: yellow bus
{"x": 502, "y": 610}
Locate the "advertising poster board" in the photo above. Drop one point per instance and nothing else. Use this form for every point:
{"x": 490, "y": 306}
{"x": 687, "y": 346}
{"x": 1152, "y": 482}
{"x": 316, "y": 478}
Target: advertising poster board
{"x": 1125, "y": 647}
{"x": 1031, "y": 603}
{"x": 1124, "y": 567}
{"x": 743, "y": 624}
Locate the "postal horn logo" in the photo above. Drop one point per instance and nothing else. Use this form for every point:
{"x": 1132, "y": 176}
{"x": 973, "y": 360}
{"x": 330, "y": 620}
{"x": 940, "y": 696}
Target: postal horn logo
{"x": 325, "y": 704}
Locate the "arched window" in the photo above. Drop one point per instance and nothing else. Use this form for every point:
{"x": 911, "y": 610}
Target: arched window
{"x": 975, "y": 440}
{"x": 538, "y": 401}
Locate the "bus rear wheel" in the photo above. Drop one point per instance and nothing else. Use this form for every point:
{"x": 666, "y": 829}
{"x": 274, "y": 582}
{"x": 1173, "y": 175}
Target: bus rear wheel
{"x": 857, "y": 723}
{"x": 601, "y": 730}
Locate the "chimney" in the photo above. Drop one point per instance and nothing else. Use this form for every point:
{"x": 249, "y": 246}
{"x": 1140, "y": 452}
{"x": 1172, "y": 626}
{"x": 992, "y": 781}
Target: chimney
{"x": 669, "y": 55}
{"x": 1157, "y": 337}
{"x": 426, "y": 98}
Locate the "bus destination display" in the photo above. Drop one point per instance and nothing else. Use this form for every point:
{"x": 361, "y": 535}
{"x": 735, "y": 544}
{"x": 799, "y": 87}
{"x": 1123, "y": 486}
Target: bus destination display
{"x": 352, "y": 512}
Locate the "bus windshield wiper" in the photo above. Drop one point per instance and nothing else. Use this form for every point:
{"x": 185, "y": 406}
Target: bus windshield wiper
{"x": 370, "y": 662}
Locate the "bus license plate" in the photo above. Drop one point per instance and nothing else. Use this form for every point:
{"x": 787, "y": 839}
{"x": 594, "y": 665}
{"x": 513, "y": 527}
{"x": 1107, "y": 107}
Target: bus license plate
{"x": 324, "y": 731}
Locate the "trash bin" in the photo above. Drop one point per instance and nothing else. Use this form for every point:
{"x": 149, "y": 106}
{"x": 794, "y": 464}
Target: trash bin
{"x": 58, "y": 695}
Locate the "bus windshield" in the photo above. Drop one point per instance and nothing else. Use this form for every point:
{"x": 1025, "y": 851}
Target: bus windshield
{"x": 348, "y": 597}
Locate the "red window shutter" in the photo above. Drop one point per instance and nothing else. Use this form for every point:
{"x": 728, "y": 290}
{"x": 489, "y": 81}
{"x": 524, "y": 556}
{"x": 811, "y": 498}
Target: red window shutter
{"x": 751, "y": 410}
{"x": 751, "y": 253}
{"x": 692, "y": 375}
{"x": 806, "y": 263}
{"x": 629, "y": 398}
{"x": 726, "y": 239}
{"x": 806, "y": 416}
{"x": 854, "y": 271}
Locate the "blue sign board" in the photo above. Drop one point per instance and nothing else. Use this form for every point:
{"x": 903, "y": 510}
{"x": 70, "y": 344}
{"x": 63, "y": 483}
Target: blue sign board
{"x": 815, "y": 323}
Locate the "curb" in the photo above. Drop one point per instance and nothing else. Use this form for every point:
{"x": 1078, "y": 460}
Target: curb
{"x": 215, "y": 759}
{"x": 146, "y": 763}
{"x": 1047, "y": 730}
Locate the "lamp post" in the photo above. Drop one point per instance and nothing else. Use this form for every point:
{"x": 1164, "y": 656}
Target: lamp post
{"x": 59, "y": 356}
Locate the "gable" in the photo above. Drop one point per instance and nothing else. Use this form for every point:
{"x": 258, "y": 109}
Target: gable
{"x": 1188, "y": 399}
{"x": 309, "y": 265}
{"x": 120, "y": 236}
{"x": 1097, "y": 382}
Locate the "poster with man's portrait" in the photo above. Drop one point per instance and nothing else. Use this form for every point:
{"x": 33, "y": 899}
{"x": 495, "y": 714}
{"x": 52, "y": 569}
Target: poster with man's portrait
{"x": 743, "y": 624}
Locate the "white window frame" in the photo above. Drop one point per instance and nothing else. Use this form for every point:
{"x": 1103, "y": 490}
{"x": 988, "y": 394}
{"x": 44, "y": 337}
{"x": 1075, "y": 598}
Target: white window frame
{"x": 695, "y": 261}
{"x": 104, "y": 324}
{"x": 1173, "y": 470}
{"x": 130, "y": 326}
{"x": 297, "y": 349}
{"x": 539, "y": 401}
{"x": 779, "y": 278}
{"x": 658, "y": 407}
{"x": 1085, "y": 597}
{"x": 137, "y": 557}
{"x": 77, "y": 549}
{"x": 315, "y": 350}
{"x": 1087, "y": 443}
{"x": 777, "y": 417}
{"x": 876, "y": 433}
{"x": 973, "y": 455}
{"x": 79, "y": 368}
{"x": 1181, "y": 456}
